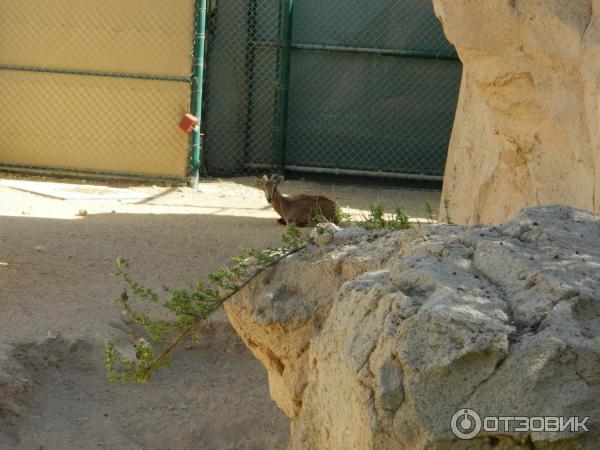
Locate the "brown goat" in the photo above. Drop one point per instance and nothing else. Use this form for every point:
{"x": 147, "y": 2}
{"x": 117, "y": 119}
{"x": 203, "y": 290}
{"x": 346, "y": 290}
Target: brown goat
{"x": 299, "y": 209}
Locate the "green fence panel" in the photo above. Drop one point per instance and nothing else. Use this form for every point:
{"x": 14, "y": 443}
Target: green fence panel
{"x": 242, "y": 75}
{"x": 373, "y": 87}
{"x": 383, "y": 24}
{"x": 368, "y": 112}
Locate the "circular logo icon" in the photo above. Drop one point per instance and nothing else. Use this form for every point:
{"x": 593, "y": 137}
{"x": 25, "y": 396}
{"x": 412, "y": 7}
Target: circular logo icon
{"x": 465, "y": 424}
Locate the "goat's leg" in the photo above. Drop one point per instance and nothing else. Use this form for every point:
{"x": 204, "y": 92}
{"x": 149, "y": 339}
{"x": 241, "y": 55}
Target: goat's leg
{"x": 281, "y": 221}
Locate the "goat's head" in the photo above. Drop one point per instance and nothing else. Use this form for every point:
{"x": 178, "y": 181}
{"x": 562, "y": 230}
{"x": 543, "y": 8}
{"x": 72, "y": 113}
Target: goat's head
{"x": 269, "y": 184}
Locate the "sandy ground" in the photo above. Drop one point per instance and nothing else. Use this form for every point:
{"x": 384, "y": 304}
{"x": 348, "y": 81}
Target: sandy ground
{"x": 56, "y": 309}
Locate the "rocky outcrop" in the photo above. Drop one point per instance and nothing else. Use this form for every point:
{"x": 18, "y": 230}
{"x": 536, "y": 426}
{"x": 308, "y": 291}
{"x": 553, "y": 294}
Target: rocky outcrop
{"x": 374, "y": 341}
{"x": 528, "y": 120}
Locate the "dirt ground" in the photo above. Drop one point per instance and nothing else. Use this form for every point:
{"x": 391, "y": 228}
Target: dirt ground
{"x": 56, "y": 310}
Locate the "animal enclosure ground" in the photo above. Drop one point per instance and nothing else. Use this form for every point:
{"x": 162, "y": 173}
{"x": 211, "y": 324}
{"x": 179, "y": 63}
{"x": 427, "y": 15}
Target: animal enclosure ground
{"x": 56, "y": 311}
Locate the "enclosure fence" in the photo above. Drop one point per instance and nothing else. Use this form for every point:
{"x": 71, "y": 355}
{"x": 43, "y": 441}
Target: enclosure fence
{"x": 343, "y": 86}
{"x": 95, "y": 86}
{"x": 366, "y": 87}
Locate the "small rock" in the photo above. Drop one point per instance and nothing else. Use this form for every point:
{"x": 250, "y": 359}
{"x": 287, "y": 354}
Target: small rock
{"x": 50, "y": 336}
{"x": 82, "y": 212}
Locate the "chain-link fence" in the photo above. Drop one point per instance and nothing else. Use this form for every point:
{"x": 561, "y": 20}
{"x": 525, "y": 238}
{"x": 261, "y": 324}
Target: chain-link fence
{"x": 350, "y": 86}
{"x": 95, "y": 86}
{"x": 371, "y": 89}
{"x": 242, "y": 84}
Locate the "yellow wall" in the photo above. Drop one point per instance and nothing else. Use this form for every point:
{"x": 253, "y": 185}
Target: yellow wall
{"x": 91, "y": 122}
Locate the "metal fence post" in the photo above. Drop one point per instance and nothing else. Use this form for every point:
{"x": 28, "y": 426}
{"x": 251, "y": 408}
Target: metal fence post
{"x": 197, "y": 90}
{"x": 284, "y": 82}
{"x": 249, "y": 74}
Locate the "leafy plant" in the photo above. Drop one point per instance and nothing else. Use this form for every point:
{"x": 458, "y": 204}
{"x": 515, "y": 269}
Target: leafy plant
{"x": 293, "y": 238}
{"x": 399, "y": 221}
{"x": 376, "y": 219}
{"x": 429, "y": 215}
{"x": 342, "y": 217}
{"x": 322, "y": 226}
{"x": 186, "y": 308}
{"x": 449, "y": 220}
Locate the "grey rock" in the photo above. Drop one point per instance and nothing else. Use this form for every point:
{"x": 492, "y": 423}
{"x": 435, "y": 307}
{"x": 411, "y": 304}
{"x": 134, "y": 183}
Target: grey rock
{"x": 376, "y": 341}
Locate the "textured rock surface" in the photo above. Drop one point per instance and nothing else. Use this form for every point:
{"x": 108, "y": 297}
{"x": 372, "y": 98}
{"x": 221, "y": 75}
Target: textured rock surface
{"x": 374, "y": 341}
{"x": 527, "y": 125}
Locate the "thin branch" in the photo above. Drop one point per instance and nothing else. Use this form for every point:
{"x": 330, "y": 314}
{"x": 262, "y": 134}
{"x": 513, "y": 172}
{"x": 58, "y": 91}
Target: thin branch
{"x": 234, "y": 291}
{"x": 170, "y": 348}
{"x": 258, "y": 272}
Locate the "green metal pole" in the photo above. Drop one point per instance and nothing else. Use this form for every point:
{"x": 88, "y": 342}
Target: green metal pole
{"x": 249, "y": 74}
{"x": 284, "y": 82}
{"x": 197, "y": 90}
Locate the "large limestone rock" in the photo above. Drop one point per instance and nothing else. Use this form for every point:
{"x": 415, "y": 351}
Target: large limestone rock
{"x": 527, "y": 125}
{"x": 374, "y": 341}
